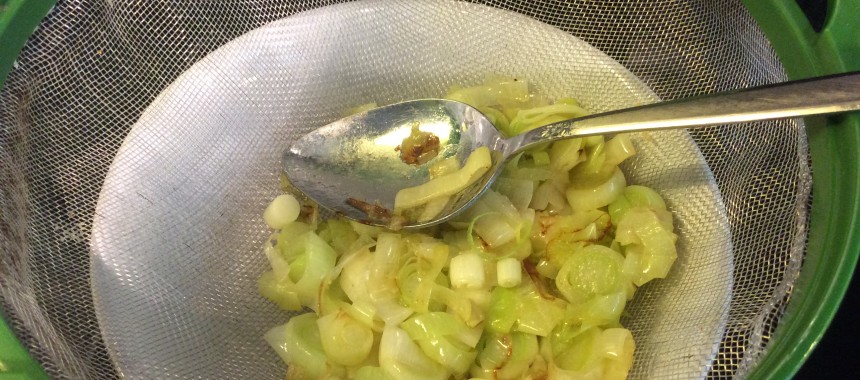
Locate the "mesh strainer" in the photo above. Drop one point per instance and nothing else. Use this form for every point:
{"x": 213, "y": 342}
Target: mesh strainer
{"x": 139, "y": 144}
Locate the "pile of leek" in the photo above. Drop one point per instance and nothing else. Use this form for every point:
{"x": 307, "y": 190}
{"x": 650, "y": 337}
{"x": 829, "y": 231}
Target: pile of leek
{"x": 530, "y": 282}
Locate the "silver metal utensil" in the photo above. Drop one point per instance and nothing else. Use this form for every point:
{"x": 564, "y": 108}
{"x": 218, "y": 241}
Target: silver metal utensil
{"x": 353, "y": 166}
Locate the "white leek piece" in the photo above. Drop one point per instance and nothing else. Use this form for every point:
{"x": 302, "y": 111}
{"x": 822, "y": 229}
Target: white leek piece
{"x": 284, "y": 209}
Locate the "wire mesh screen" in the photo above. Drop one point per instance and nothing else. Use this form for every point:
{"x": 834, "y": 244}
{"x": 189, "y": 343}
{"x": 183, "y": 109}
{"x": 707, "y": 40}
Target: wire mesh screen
{"x": 93, "y": 67}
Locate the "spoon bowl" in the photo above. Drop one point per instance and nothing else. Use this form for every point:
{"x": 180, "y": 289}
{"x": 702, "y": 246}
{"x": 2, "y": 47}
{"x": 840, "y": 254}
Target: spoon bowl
{"x": 355, "y": 166}
{"x": 356, "y": 160}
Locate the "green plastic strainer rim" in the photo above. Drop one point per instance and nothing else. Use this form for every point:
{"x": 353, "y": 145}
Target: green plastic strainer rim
{"x": 834, "y": 143}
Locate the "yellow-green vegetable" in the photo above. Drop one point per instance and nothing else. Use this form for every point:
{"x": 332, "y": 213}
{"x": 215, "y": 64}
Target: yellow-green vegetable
{"x": 530, "y": 282}
{"x": 648, "y": 242}
{"x": 284, "y": 209}
{"x": 476, "y": 165}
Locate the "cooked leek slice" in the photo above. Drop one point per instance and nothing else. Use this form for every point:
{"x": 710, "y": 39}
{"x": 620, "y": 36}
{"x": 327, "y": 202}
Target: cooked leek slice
{"x": 478, "y": 162}
{"x": 530, "y": 282}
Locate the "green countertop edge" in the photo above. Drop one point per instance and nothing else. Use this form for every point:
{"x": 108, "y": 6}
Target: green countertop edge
{"x": 834, "y": 241}
{"x": 15, "y": 362}
{"x": 17, "y": 23}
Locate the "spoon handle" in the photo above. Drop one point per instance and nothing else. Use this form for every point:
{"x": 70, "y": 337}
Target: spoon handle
{"x": 822, "y": 95}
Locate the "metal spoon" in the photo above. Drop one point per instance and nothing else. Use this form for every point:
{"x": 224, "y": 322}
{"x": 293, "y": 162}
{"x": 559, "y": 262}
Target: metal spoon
{"x": 352, "y": 166}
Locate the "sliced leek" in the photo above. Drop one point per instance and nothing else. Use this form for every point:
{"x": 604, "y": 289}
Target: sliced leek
{"x": 530, "y": 282}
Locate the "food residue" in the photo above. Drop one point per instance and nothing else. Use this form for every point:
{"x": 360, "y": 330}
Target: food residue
{"x": 419, "y": 147}
{"x": 373, "y": 210}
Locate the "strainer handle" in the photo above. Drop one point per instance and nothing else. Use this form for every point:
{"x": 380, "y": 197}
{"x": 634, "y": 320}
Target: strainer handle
{"x": 821, "y": 95}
